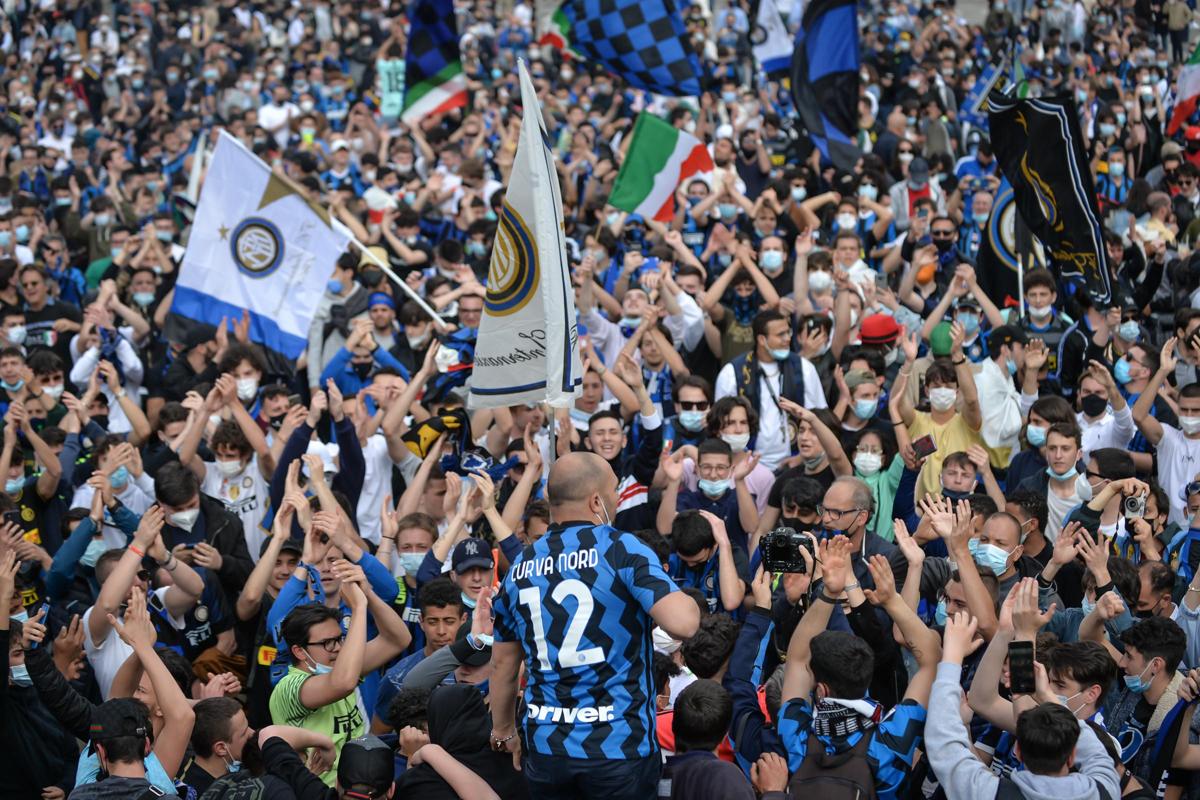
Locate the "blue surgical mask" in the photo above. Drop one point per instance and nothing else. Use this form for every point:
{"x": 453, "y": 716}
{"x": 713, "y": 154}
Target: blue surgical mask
{"x": 1011, "y": 366}
{"x": 781, "y": 354}
{"x": 865, "y": 409}
{"x": 1121, "y": 371}
{"x": 980, "y": 217}
{"x": 1035, "y": 435}
{"x": 14, "y": 485}
{"x": 713, "y": 489}
{"x": 91, "y": 555}
{"x": 143, "y": 299}
{"x": 989, "y": 556}
{"x": 1116, "y": 170}
{"x": 119, "y": 478}
{"x": 772, "y": 259}
{"x": 1137, "y": 683}
{"x": 691, "y": 420}
{"x": 334, "y": 287}
{"x": 727, "y": 210}
{"x": 1130, "y": 331}
{"x": 22, "y": 233}
{"x": 12, "y": 387}
{"x": 970, "y": 322}
{"x": 1066, "y": 476}
{"x": 469, "y": 602}
{"x": 234, "y": 766}
{"x": 1087, "y": 606}
{"x": 799, "y": 193}
{"x": 1107, "y": 130}
{"x": 411, "y": 562}
{"x": 20, "y": 675}
{"x": 319, "y": 669}
{"x": 939, "y": 613}
{"x": 21, "y": 616}
{"x": 5, "y": 238}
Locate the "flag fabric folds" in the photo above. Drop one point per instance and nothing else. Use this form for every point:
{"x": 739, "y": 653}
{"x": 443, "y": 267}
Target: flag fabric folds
{"x": 433, "y": 69}
{"x": 825, "y": 79}
{"x": 660, "y": 157}
{"x": 771, "y": 44}
{"x": 1000, "y": 258}
{"x": 644, "y": 42}
{"x": 1187, "y": 92}
{"x": 1052, "y": 183}
{"x": 256, "y": 244}
{"x": 528, "y": 345}
{"x": 974, "y": 105}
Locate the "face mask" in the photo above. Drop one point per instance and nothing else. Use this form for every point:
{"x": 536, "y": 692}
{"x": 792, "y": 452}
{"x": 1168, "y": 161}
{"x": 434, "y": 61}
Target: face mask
{"x": 1040, "y": 312}
{"x": 1036, "y": 435}
{"x": 811, "y": 464}
{"x": 1093, "y": 405}
{"x": 943, "y": 398}
{"x": 737, "y": 441}
{"x": 5, "y": 238}
{"x": 318, "y": 669}
{"x": 970, "y": 322}
{"x": 14, "y": 485}
{"x": 16, "y": 334}
{"x": 1011, "y": 366}
{"x": 22, "y": 233}
{"x": 91, "y": 555}
{"x": 101, "y": 420}
{"x": 945, "y": 246}
{"x": 143, "y": 299}
{"x": 20, "y": 675}
{"x": 1129, "y": 331}
{"x": 819, "y": 281}
{"x": 846, "y": 222}
{"x": 1087, "y": 606}
{"x": 868, "y": 191}
{"x": 247, "y": 388}
{"x": 119, "y": 478}
{"x": 772, "y": 260}
{"x": 1107, "y": 129}
{"x": 713, "y": 489}
{"x": 1121, "y": 371}
{"x": 411, "y": 562}
{"x": 1116, "y": 170}
{"x": 21, "y": 616}
{"x": 1137, "y": 683}
{"x": 1189, "y": 425}
{"x": 229, "y": 468}
{"x": 865, "y": 409}
{"x": 233, "y": 766}
{"x": 799, "y": 193}
{"x": 1083, "y": 487}
{"x": 691, "y": 420}
{"x": 451, "y": 311}
{"x": 868, "y": 463}
{"x": 1066, "y": 701}
{"x": 184, "y": 519}
{"x": 727, "y": 210}
{"x": 939, "y": 613}
{"x": 334, "y": 287}
{"x": 989, "y": 557}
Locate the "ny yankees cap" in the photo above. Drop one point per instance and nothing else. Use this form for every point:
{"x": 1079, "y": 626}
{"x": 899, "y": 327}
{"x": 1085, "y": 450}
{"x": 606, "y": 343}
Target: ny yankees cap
{"x": 471, "y": 553}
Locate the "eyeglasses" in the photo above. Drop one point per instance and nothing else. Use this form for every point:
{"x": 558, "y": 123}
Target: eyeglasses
{"x": 690, "y": 405}
{"x": 942, "y": 234}
{"x": 331, "y": 645}
{"x": 836, "y": 513}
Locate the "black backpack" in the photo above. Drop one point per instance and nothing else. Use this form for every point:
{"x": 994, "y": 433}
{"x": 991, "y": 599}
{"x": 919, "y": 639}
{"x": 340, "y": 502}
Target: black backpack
{"x": 236, "y": 786}
{"x": 1009, "y": 790}
{"x": 841, "y": 776}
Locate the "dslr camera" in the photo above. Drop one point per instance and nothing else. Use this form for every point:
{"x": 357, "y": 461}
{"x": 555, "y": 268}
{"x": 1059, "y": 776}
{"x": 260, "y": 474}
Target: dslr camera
{"x": 781, "y": 551}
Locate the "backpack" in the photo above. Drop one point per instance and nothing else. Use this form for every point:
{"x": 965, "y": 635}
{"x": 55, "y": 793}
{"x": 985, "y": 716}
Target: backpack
{"x": 841, "y": 776}
{"x": 1009, "y": 790}
{"x": 236, "y": 786}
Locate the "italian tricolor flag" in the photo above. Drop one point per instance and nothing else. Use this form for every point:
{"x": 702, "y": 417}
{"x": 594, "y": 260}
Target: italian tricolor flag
{"x": 659, "y": 158}
{"x": 1187, "y": 92}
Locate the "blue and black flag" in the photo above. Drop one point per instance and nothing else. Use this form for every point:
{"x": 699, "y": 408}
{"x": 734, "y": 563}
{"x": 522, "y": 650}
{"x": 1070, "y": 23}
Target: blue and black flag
{"x": 1052, "y": 184}
{"x": 825, "y": 79}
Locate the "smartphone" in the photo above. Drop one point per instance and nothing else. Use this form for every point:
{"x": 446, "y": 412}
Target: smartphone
{"x": 923, "y": 211}
{"x": 925, "y": 446}
{"x": 45, "y": 612}
{"x": 881, "y": 280}
{"x": 1020, "y": 667}
{"x": 13, "y": 517}
{"x": 293, "y": 400}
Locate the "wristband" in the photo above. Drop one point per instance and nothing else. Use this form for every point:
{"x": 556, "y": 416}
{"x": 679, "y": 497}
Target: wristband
{"x": 172, "y": 564}
{"x": 960, "y": 362}
{"x": 139, "y": 553}
{"x": 1108, "y": 587}
{"x": 826, "y": 598}
{"x": 854, "y": 585}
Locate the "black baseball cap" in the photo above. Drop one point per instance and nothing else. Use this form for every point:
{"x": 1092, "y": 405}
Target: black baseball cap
{"x": 365, "y": 768}
{"x": 290, "y": 545}
{"x": 118, "y": 718}
{"x": 470, "y": 553}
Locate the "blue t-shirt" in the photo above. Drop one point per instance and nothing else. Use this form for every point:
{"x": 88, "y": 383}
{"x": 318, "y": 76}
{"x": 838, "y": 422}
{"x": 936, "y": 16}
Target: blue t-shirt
{"x": 578, "y": 601}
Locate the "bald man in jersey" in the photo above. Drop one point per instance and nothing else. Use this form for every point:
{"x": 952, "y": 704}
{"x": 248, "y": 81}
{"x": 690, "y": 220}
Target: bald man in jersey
{"x": 578, "y": 607}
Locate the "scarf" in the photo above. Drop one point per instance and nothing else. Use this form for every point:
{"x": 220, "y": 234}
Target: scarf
{"x": 838, "y": 718}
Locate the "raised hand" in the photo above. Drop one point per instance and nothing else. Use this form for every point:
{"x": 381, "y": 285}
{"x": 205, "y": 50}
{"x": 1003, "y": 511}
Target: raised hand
{"x": 835, "y": 560}
{"x": 884, "y": 580}
{"x": 959, "y": 640}
{"x": 1028, "y": 619}
{"x": 136, "y": 630}
{"x": 760, "y": 588}
{"x": 908, "y": 545}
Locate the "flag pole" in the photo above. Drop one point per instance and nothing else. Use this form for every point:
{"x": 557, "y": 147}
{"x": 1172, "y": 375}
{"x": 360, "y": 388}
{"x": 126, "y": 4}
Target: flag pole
{"x": 416, "y": 298}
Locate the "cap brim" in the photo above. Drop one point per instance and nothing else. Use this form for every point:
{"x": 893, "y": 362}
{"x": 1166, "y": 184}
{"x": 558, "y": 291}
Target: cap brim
{"x": 485, "y": 563}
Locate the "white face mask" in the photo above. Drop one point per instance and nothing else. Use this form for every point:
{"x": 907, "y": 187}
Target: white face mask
{"x": 868, "y": 463}
{"x": 53, "y": 391}
{"x": 229, "y": 468}
{"x": 943, "y": 398}
{"x": 247, "y": 388}
{"x": 737, "y": 441}
{"x": 819, "y": 281}
{"x": 1189, "y": 425}
{"x": 184, "y": 519}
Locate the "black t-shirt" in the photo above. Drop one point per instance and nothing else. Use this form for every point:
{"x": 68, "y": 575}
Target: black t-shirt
{"x": 824, "y": 477}
{"x": 40, "y": 329}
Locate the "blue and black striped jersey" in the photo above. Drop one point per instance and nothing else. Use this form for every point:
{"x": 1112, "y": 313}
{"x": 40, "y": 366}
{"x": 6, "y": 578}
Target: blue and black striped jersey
{"x": 578, "y": 601}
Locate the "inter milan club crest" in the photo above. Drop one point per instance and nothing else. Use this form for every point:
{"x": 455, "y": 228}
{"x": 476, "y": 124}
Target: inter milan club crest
{"x": 256, "y": 247}
{"x": 513, "y": 276}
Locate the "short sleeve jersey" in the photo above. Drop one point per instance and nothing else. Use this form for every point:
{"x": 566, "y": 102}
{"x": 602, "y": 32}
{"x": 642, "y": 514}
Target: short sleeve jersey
{"x": 245, "y": 494}
{"x": 578, "y": 602}
{"x": 341, "y": 720}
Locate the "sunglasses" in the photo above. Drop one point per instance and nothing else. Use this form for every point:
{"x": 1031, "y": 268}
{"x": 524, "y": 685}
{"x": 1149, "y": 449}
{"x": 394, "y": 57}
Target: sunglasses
{"x": 689, "y": 405}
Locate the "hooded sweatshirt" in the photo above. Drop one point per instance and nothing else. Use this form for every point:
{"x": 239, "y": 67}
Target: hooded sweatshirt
{"x": 459, "y": 721}
{"x": 963, "y": 775}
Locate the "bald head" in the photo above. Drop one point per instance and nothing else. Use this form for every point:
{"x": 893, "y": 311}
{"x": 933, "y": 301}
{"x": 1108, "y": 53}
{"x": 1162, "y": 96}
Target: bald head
{"x": 575, "y": 477}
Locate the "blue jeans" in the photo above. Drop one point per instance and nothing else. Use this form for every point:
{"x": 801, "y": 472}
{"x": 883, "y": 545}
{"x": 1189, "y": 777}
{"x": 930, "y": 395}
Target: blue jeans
{"x": 562, "y": 778}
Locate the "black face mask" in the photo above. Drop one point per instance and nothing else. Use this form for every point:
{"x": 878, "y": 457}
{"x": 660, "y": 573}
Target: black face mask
{"x": 943, "y": 245}
{"x": 101, "y": 420}
{"x": 1093, "y": 405}
{"x": 796, "y": 524}
{"x": 276, "y": 422}
{"x": 363, "y": 370}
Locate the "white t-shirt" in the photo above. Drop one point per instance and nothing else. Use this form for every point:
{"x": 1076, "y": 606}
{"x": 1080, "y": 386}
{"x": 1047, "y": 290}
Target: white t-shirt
{"x": 270, "y": 115}
{"x": 1058, "y": 508}
{"x": 772, "y": 442}
{"x": 136, "y": 498}
{"x": 1178, "y": 463}
{"x": 245, "y": 494}
{"x": 377, "y": 484}
{"x": 107, "y": 657}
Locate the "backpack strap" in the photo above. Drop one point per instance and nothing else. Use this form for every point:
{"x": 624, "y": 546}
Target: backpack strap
{"x": 1008, "y": 790}
{"x": 151, "y": 792}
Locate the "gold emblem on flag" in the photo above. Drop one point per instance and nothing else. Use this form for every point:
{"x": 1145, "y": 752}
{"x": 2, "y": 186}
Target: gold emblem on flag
{"x": 513, "y": 273}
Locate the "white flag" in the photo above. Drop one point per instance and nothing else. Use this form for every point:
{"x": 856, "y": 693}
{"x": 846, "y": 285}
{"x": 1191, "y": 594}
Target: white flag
{"x": 772, "y": 45}
{"x": 255, "y": 244}
{"x": 528, "y": 345}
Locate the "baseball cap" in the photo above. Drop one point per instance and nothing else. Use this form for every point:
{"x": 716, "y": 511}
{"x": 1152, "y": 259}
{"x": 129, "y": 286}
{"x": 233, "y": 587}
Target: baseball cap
{"x": 1006, "y": 334}
{"x": 470, "y": 553}
{"x": 118, "y": 718}
{"x": 1171, "y": 150}
{"x": 366, "y": 767}
{"x": 968, "y": 301}
{"x": 857, "y": 377}
{"x": 474, "y": 658}
{"x": 940, "y": 340}
{"x": 918, "y": 169}
{"x": 340, "y": 144}
{"x": 290, "y": 545}
{"x": 879, "y": 329}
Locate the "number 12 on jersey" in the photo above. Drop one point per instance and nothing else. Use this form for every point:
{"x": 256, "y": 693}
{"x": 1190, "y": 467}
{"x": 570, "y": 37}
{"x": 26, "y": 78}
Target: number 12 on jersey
{"x": 569, "y": 654}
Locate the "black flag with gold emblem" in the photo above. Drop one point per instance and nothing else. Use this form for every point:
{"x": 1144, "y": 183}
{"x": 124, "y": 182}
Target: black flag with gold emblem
{"x": 1040, "y": 149}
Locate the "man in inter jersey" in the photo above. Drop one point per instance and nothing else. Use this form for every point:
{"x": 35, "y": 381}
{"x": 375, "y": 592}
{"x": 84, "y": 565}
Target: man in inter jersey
{"x": 579, "y": 606}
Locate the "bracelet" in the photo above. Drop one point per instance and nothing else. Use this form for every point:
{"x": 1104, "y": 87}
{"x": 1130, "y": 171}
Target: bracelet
{"x": 1191, "y": 589}
{"x": 960, "y": 362}
{"x": 855, "y": 585}
{"x": 172, "y": 564}
{"x": 831, "y": 600}
{"x": 499, "y": 743}
{"x": 135, "y": 549}
{"x": 897, "y": 423}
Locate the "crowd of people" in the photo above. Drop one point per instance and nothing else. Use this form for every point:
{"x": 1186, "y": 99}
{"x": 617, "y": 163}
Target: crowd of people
{"x": 830, "y": 516}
